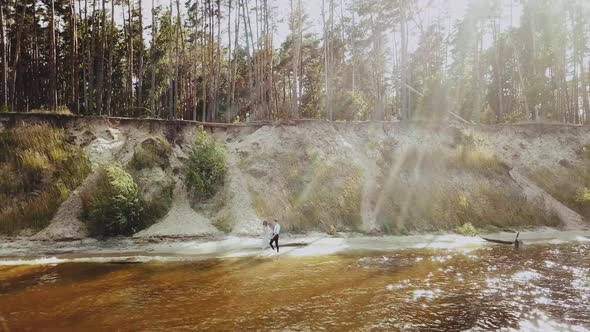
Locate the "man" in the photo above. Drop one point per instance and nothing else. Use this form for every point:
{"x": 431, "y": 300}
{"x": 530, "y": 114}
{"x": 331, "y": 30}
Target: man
{"x": 275, "y": 235}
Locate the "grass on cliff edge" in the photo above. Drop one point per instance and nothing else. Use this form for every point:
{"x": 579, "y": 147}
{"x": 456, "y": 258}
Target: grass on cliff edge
{"x": 568, "y": 183}
{"x": 38, "y": 170}
{"x": 470, "y": 156}
{"x": 464, "y": 213}
{"x": 321, "y": 195}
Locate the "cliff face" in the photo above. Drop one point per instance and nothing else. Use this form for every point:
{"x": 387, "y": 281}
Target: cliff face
{"x": 318, "y": 176}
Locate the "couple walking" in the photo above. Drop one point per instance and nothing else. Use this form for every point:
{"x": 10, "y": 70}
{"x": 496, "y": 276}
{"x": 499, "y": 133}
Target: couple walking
{"x": 276, "y": 230}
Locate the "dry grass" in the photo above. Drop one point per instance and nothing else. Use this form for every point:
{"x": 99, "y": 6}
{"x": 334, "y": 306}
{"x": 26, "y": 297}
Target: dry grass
{"x": 471, "y": 157}
{"x": 62, "y": 110}
{"x": 38, "y": 171}
{"x": 570, "y": 186}
{"x": 331, "y": 200}
{"x": 477, "y": 160}
{"x": 260, "y": 205}
{"x": 451, "y": 211}
{"x": 493, "y": 208}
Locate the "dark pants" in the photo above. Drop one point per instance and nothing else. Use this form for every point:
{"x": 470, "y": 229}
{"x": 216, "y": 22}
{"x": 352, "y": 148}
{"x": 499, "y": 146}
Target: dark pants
{"x": 275, "y": 239}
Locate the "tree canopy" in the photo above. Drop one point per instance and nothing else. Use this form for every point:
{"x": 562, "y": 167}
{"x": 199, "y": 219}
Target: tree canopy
{"x": 220, "y": 60}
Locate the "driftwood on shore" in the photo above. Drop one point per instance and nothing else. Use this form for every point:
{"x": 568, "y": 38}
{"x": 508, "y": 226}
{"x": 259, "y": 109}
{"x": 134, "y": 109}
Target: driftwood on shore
{"x": 295, "y": 244}
{"x": 517, "y": 243}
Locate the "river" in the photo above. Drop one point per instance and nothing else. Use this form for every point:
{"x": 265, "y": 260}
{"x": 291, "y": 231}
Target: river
{"x": 539, "y": 287}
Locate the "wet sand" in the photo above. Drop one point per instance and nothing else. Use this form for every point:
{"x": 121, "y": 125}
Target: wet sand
{"x": 20, "y": 252}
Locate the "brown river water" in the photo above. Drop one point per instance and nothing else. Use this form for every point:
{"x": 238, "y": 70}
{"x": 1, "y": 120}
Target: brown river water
{"x": 536, "y": 288}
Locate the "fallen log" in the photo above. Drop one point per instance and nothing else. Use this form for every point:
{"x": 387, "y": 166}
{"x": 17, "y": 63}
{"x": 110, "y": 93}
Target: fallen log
{"x": 295, "y": 244}
{"x": 517, "y": 243}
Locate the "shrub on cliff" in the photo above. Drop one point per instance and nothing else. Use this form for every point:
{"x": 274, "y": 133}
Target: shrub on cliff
{"x": 206, "y": 168}
{"x": 151, "y": 153}
{"x": 583, "y": 196}
{"x": 115, "y": 206}
{"x": 38, "y": 170}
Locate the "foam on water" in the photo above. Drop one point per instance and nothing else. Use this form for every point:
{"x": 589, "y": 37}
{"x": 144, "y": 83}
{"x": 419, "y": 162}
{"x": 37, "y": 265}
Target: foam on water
{"x": 525, "y": 276}
{"x": 111, "y": 259}
{"x": 538, "y": 320}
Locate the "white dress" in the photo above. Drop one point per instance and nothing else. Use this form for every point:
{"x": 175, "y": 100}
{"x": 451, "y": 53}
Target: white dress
{"x": 266, "y": 237}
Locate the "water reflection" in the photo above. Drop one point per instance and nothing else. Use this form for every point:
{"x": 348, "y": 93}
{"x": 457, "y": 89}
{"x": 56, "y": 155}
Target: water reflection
{"x": 493, "y": 288}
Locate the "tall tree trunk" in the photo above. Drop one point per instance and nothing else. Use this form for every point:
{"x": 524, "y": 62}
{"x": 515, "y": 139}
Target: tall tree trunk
{"x": 4, "y": 73}
{"x": 229, "y": 63}
{"x": 326, "y": 61}
{"x": 403, "y": 59}
{"x": 90, "y": 60}
{"x": 100, "y": 80}
{"x": 296, "y": 56}
{"x": 395, "y": 69}
{"x": 36, "y": 95}
{"x": 587, "y": 109}
{"x": 218, "y": 59}
{"x": 499, "y": 74}
{"x": 196, "y": 64}
{"x": 250, "y": 48}
{"x": 270, "y": 63}
{"x": 531, "y": 105}
{"x": 52, "y": 59}
{"x": 15, "y": 63}
{"x": 476, "y": 76}
{"x": 130, "y": 57}
{"x": 110, "y": 63}
{"x": 212, "y": 65}
{"x": 74, "y": 101}
{"x": 84, "y": 54}
{"x": 204, "y": 53}
{"x": 584, "y": 88}
{"x": 235, "y": 63}
{"x": 153, "y": 61}
{"x": 140, "y": 58}
{"x": 257, "y": 61}
{"x": 353, "y": 51}
{"x": 177, "y": 62}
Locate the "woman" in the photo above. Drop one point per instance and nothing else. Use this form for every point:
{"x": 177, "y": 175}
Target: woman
{"x": 267, "y": 231}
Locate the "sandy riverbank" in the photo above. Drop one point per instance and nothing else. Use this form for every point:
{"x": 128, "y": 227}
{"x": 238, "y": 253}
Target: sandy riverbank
{"x": 24, "y": 252}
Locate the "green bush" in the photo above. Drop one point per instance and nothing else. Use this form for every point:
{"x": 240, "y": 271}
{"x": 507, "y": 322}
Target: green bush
{"x": 467, "y": 229}
{"x": 583, "y": 195}
{"x": 38, "y": 170}
{"x": 116, "y": 206}
{"x": 151, "y": 153}
{"x": 206, "y": 168}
